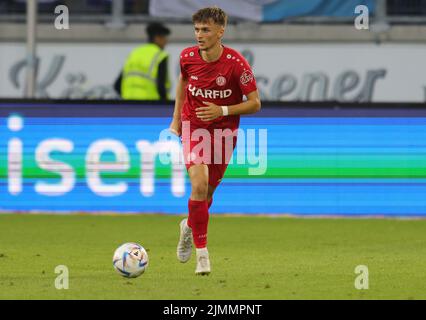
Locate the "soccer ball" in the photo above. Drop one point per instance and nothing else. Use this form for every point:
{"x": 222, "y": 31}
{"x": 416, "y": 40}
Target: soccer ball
{"x": 130, "y": 260}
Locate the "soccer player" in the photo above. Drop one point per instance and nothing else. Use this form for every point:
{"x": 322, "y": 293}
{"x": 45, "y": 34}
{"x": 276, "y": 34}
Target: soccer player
{"x": 209, "y": 99}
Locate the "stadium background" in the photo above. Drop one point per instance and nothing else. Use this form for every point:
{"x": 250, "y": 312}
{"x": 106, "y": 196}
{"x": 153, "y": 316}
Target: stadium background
{"x": 343, "y": 108}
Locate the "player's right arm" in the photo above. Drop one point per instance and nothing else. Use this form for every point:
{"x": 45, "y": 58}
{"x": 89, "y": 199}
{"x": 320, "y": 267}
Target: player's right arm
{"x": 176, "y": 125}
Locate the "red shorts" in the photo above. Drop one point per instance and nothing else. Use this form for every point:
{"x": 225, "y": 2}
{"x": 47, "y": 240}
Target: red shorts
{"x": 212, "y": 146}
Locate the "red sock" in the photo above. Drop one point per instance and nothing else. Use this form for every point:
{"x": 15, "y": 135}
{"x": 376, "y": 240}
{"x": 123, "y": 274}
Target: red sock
{"x": 198, "y": 220}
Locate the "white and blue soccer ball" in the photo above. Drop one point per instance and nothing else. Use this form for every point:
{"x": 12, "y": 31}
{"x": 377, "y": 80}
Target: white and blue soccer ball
{"x": 130, "y": 260}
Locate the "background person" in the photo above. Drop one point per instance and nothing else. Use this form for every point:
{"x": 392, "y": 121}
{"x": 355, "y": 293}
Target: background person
{"x": 145, "y": 73}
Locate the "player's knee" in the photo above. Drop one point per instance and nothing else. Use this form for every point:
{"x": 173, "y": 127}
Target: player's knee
{"x": 200, "y": 188}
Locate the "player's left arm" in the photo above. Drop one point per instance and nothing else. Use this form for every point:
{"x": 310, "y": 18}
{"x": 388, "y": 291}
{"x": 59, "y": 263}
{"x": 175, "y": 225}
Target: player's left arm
{"x": 212, "y": 111}
{"x": 251, "y": 105}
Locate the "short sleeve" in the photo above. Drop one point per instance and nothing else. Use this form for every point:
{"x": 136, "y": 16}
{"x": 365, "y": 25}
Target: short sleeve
{"x": 245, "y": 76}
{"x": 182, "y": 68}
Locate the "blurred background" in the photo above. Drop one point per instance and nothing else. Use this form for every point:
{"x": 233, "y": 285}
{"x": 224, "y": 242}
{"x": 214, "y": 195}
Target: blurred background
{"x": 343, "y": 91}
{"x": 300, "y": 50}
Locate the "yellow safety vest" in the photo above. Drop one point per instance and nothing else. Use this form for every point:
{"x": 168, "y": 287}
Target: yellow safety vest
{"x": 140, "y": 73}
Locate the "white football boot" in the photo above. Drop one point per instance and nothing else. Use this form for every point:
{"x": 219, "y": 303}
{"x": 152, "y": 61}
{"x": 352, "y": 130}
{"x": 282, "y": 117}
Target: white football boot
{"x": 203, "y": 262}
{"x": 184, "y": 247}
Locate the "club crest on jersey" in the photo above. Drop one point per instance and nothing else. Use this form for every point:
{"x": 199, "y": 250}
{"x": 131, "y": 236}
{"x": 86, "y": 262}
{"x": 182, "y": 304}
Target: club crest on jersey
{"x": 207, "y": 93}
{"x": 246, "y": 77}
{"x": 221, "y": 81}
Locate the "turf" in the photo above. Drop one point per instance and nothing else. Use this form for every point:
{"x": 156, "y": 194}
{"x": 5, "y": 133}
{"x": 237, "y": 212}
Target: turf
{"x": 252, "y": 258}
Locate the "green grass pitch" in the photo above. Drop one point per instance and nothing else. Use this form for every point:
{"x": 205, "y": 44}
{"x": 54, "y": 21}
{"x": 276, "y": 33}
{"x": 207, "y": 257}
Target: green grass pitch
{"x": 252, "y": 258}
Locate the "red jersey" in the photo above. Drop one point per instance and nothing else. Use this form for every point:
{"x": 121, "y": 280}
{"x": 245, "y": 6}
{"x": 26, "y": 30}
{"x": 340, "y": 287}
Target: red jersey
{"x": 223, "y": 82}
